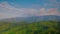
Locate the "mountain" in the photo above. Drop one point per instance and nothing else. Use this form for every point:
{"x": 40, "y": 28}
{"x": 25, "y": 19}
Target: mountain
{"x": 33, "y": 18}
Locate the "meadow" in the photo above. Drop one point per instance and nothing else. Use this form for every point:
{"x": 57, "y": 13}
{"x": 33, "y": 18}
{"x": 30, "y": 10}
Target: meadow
{"x": 41, "y": 27}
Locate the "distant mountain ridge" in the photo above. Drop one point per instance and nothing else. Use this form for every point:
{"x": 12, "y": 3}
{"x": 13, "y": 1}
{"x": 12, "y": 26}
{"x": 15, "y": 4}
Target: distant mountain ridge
{"x": 33, "y": 18}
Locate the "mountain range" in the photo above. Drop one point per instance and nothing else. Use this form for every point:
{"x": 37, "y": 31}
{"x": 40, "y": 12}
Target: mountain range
{"x": 33, "y": 18}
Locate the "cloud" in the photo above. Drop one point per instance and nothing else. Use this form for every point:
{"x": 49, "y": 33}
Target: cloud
{"x": 52, "y": 3}
{"x": 50, "y": 11}
{"x": 8, "y": 11}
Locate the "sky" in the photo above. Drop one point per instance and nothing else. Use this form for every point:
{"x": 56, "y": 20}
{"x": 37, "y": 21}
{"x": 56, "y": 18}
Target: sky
{"x": 27, "y": 8}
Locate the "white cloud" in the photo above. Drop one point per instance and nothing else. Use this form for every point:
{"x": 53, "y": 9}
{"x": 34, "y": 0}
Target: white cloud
{"x": 51, "y": 11}
{"x": 8, "y": 11}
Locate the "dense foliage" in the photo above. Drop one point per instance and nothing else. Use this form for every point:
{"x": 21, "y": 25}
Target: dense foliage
{"x": 41, "y": 27}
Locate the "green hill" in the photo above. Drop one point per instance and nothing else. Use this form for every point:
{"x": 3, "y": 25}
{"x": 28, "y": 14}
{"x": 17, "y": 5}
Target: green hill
{"x": 42, "y": 27}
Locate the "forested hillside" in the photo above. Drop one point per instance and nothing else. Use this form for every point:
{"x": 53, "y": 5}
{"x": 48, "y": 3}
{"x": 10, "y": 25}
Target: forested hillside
{"x": 42, "y": 27}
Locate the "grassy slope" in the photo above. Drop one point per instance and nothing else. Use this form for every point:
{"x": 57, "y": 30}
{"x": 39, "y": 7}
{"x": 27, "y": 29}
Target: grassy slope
{"x": 42, "y": 27}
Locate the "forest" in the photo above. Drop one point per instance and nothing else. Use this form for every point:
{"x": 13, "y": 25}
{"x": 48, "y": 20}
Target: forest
{"x": 41, "y": 27}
